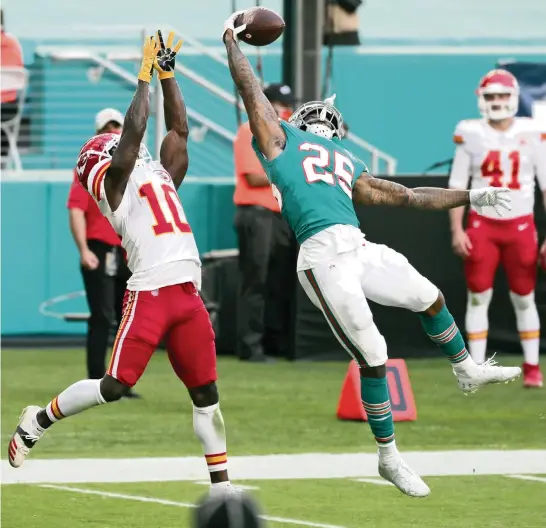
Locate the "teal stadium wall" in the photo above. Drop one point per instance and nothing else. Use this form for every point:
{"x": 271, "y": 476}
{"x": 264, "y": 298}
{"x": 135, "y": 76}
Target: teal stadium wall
{"x": 406, "y": 104}
{"x": 40, "y": 260}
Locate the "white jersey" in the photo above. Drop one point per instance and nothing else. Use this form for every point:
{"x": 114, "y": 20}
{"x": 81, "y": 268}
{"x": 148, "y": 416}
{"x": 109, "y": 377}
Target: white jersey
{"x": 160, "y": 246}
{"x": 490, "y": 157}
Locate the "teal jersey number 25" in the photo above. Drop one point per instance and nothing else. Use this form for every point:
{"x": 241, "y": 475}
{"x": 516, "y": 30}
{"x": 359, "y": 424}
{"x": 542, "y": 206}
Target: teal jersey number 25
{"x": 313, "y": 180}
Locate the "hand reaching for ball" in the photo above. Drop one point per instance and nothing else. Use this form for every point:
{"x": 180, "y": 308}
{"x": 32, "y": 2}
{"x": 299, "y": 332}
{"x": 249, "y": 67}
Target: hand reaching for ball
{"x": 229, "y": 26}
{"x": 257, "y": 26}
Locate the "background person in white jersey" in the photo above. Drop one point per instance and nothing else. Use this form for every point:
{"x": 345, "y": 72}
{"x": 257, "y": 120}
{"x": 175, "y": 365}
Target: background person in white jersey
{"x": 500, "y": 150}
{"x": 139, "y": 198}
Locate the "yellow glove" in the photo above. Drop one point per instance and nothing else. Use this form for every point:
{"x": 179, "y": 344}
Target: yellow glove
{"x": 165, "y": 58}
{"x": 149, "y": 52}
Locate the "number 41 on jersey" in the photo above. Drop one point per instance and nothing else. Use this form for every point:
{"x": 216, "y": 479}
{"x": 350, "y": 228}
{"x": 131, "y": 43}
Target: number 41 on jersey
{"x": 492, "y": 168}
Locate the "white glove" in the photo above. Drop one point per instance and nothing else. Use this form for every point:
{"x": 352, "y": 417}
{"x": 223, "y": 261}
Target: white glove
{"x": 230, "y": 24}
{"x": 497, "y": 197}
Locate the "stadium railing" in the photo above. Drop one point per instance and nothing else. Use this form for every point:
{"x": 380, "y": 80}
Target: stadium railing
{"x": 209, "y": 102}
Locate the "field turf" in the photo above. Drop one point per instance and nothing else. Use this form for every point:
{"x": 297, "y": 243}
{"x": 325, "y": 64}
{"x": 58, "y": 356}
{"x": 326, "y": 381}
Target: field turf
{"x": 272, "y": 409}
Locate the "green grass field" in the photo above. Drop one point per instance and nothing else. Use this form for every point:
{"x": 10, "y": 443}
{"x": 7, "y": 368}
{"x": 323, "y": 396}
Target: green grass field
{"x": 272, "y": 409}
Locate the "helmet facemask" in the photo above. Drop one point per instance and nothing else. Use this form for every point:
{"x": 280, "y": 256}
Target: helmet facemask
{"x": 112, "y": 145}
{"x": 321, "y": 118}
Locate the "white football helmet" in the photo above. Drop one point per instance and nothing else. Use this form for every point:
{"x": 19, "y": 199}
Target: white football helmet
{"x": 498, "y": 82}
{"x": 321, "y": 118}
{"x": 98, "y": 150}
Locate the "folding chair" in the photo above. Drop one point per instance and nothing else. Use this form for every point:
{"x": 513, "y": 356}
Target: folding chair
{"x": 14, "y": 79}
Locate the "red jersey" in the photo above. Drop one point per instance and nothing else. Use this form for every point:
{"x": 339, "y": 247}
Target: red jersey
{"x": 246, "y": 162}
{"x": 98, "y": 227}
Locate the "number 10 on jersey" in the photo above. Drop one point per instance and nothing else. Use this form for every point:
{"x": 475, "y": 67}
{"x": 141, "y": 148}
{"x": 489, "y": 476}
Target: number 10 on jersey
{"x": 162, "y": 225}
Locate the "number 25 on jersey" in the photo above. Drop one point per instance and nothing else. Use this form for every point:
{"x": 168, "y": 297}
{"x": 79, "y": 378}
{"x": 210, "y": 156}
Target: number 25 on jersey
{"x": 170, "y": 197}
{"x": 315, "y": 167}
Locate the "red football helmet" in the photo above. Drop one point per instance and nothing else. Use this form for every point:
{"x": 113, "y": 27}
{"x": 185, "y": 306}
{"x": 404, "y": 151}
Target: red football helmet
{"x": 498, "y": 82}
{"x": 97, "y": 152}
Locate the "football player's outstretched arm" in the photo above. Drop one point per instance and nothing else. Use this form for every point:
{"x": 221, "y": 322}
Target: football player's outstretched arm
{"x": 174, "y": 148}
{"x": 375, "y": 191}
{"x": 134, "y": 126}
{"x": 264, "y": 122}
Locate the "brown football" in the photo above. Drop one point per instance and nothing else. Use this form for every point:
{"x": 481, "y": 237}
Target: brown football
{"x": 263, "y": 26}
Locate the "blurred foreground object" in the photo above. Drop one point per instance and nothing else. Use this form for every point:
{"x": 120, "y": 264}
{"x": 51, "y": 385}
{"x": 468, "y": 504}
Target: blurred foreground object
{"x": 233, "y": 510}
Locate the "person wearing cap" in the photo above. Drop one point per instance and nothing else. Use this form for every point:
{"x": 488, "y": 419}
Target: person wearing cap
{"x": 267, "y": 249}
{"x": 102, "y": 262}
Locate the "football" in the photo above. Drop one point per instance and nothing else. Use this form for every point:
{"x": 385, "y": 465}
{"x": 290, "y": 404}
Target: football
{"x": 263, "y": 26}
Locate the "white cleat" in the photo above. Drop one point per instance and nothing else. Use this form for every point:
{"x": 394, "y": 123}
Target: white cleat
{"x": 474, "y": 377}
{"x": 27, "y": 433}
{"x": 403, "y": 477}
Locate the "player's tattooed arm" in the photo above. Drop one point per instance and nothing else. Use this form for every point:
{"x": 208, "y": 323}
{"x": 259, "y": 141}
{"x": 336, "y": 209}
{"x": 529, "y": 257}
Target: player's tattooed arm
{"x": 126, "y": 153}
{"x": 174, "y": 148}
{"x": 375, "y": 191}
{"x": 264, "y": 122}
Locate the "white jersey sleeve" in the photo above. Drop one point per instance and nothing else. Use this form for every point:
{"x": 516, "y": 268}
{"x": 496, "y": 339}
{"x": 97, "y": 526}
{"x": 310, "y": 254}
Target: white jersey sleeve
{"x": 95, "y": 186}
{"x": 540, "y": 160}
{"x": 461, "y": 167}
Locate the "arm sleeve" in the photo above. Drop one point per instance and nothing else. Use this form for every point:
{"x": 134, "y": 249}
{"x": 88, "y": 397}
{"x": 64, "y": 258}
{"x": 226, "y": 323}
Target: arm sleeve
{"x": 246, "y": 160}
{"x": 78, "y": 197}
{"x": 460, "y": 169}
{"x": 540, "y": 162}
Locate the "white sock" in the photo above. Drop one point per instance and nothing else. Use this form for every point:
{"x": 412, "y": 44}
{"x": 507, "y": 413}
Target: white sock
{"x": 477, "y": 323}
{"x": 79, "y": 397}
{"x": 220, "y": 485}
{"x": 388, "y": 452}
{"x": 464, "y": 366}
{"x": 528, "y": 324}
{"x": 208, "y": 425}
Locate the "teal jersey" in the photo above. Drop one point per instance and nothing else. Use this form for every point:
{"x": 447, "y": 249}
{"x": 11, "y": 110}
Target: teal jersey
{"x": 313, "y": 179}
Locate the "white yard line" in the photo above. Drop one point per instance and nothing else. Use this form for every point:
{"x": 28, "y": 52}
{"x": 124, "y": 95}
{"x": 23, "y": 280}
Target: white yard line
{"x": 374, "y": 481}
{"x": 272, "y": 467}
{"x": 166, "y": 502}
{"x": 527, "y": 477}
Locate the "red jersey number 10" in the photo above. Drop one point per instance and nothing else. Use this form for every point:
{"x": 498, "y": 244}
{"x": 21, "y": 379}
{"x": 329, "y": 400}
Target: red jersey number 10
{"x": 162, "y": 225}
{"x": 491, "y": 168}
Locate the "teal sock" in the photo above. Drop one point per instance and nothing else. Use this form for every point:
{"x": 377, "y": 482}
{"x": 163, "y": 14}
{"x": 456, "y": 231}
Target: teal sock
{"x": 375, "y": 397}
{"x": 441, "y": 328}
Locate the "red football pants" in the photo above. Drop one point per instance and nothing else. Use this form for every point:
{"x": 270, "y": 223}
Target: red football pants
{"x": 174, "y": 313}
{"x": 511, "y": 242}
